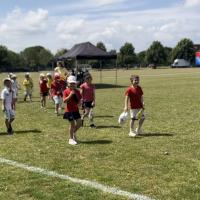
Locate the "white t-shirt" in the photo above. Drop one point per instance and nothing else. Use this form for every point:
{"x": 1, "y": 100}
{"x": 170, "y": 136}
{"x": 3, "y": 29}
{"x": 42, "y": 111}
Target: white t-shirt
{"x": 8, "y": 96}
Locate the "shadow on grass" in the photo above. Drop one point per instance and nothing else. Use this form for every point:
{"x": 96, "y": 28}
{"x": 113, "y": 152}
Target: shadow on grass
{"x": 22, "y": 101}
{"x": 156, "y": 134}
{"x": 104, "y": 116}
{"x": 111, "y": 126}
{"x": 107, "y": 86}
{"x": 22, "y": 132}
{"x": 96, "y": 142}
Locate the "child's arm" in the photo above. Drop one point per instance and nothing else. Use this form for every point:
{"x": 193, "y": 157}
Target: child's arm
{"x": 3, "y": 105}
{"x": 126, "y": 103}
{"x": 14, "y": 98}
{"x": 94, "y": 98}
{"x": 142, "y": 101}
{"x": 65, "y": 100}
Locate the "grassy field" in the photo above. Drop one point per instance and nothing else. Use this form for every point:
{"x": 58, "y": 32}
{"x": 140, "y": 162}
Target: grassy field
{"x": 106, "y": 154}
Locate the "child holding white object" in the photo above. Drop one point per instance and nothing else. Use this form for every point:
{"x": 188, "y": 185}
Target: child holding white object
{"x": 134, "y": 96}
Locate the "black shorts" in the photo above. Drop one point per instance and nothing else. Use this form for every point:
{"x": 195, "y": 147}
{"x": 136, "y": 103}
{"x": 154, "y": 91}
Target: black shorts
{"x": 87, "y": 104}
{"x": 44, "y": 94}
{"x": 71, "y": 116}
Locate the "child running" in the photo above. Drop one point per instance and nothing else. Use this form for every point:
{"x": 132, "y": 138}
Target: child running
{"x": 49, "y": 82}
{"x": 56, "y": 89}
{"x": 43, "y": 90}
{"x": 72, "y": 97}
{"x": 8, "y": 104}
{"x": 134, "y": 95}
{"x": 28, "y": 87}
{"x": 88, "y": 97}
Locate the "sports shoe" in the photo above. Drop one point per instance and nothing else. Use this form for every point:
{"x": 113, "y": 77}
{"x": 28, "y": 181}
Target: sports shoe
{"x": 138, "y": 132}
{"x": 132, "y": 134}
{"x": 72, "y": 142}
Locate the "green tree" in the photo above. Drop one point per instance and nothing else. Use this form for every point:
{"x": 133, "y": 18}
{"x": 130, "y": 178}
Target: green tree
{"x": 15, "y": 61}
{"x": 60, "y": 52}
{"x": 168, "y": 53}
{"x": 101, "y": 46}
{"x": 141, "y": 57}
{"x": 4, "y": 64}
{"x": 37, "y": 57}
{"x": 184, "y": 50}
{"x": 127, "y": 55}
{"x": 155, "y": 54}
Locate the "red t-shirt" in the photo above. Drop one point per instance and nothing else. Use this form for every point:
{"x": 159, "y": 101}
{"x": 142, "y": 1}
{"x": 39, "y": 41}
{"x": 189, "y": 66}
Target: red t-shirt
{"x": 135, "y": 95}
{"x": 87, "y": 92}
{"x": 43, "y": 86}
{"x": 72, "y": 104}
{"x": 56, "y": 88}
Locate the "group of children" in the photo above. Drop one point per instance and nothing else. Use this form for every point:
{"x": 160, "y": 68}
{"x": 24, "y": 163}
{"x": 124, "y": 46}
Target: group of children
{"x": 66, "y": 91}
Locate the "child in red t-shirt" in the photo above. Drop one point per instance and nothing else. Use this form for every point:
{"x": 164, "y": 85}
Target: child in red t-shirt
{"x": 56, "y": 91}
{"x": 88, "y": 96}
{"x": 72, "y": 97}
{"x": 43, "y": 90}
{"x": 134, "y": 95}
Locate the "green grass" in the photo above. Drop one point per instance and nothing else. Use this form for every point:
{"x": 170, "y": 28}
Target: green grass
{"x": 106, "y": 154}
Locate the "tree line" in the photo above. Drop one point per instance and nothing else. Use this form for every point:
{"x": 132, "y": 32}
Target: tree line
{"x": 39, "y": 58}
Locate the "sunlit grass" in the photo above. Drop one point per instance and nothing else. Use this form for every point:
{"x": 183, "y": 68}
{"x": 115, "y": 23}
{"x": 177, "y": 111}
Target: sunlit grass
{"x": 107, "y": 154}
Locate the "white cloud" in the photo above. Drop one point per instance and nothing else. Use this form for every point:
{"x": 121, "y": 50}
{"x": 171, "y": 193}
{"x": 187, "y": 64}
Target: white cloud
{"x": 18, "y": 23}
{"x": 192, "y": 3}
{"x": 142, "y": 27}
{"x": 103, "y": 2}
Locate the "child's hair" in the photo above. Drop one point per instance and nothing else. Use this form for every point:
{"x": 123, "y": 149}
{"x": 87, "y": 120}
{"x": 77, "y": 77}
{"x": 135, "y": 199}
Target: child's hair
{"x": 60, "y": 63}
{"x": 6, "y": 80}
{"x": 87, "y": 76}
{"x": 133, "y": 77}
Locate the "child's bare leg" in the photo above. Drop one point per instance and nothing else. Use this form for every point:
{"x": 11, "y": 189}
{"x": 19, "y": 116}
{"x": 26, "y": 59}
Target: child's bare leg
{"x": 30, "y": 97}
{"x": 86, "y": 112}
{"x": 56, "y": 108}
{"x": 77, "y": 126}
{"x": 44, "y": 101}
{"x": 132, "y": 125}
{"x": 7, "y": 123}
{"x": 91, "y": 116}
{"x": 41, "y": 100}
{"x": 71, "y": 129}
{"x": 25, "y": 96}
{"x": 141, "y": 121}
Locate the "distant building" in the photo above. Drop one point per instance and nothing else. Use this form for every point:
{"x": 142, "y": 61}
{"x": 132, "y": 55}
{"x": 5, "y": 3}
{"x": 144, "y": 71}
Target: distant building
{"x": 197, "y": 47}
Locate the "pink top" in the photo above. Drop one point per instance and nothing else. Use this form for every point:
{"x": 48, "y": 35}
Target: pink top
{"x": 88, "y": 92}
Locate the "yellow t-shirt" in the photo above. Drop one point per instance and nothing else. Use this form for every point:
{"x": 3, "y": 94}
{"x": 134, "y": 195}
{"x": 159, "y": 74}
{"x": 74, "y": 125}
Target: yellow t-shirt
{"x": 62, "y": 71}
{"x": 49, "y": 82}
{"x": 28, "y": 84}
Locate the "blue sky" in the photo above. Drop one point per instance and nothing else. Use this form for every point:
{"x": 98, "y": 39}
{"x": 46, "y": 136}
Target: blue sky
{"x": 61, "y": 24}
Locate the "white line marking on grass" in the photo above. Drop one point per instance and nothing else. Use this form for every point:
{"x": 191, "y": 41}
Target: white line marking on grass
{"x": 92, "y": 184}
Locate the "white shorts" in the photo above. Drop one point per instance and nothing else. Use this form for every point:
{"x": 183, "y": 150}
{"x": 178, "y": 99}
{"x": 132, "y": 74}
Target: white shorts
{"x": 9, "y": 114}
{"x": 133, "y": 113}
{"x": 57, "y": 99}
